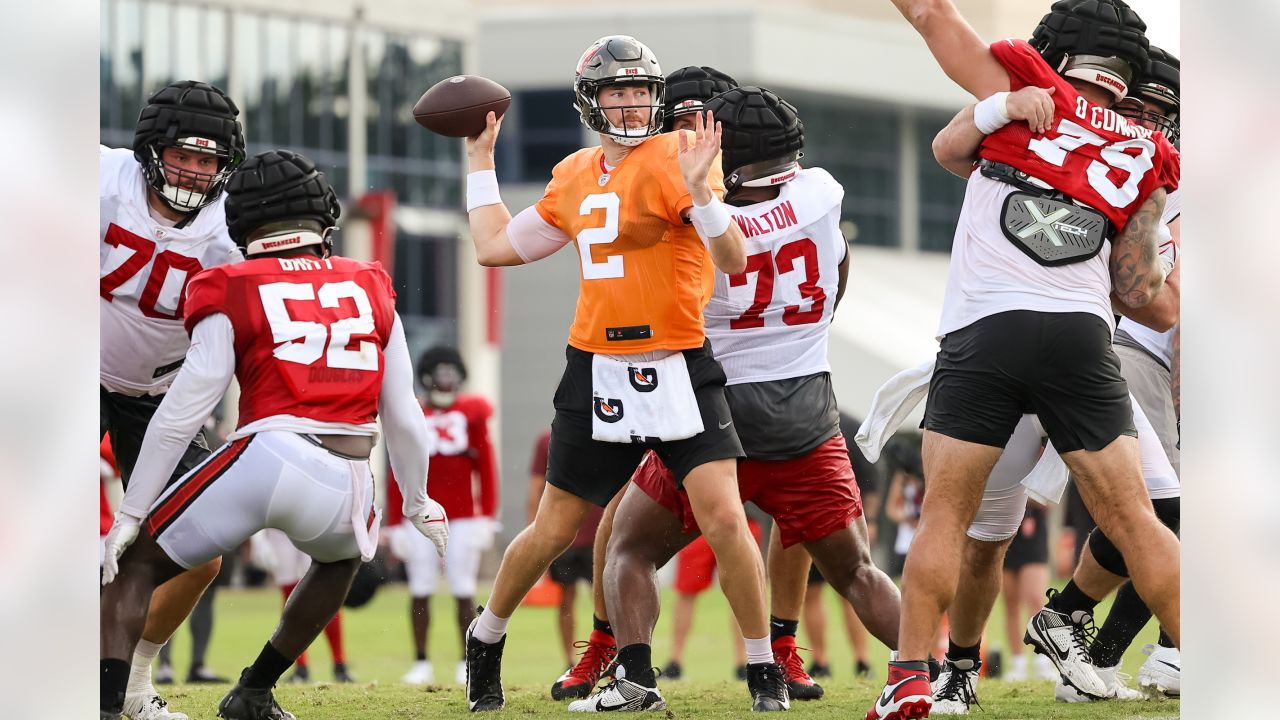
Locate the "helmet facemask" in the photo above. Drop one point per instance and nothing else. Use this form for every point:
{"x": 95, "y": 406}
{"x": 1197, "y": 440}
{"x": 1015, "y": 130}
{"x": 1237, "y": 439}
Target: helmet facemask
{"x": 182, "y": 189}
{"x": 1148, "y": 115}
{"x": 594, "y": 115}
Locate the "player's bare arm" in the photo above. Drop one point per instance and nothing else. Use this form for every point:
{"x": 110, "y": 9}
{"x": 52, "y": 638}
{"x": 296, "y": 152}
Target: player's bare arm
{"x": 489, "y": 222}
{"x": 1176, "y": 371}
{"x": 1136, "y": 276}
{"x": 1162, "y": 312}
{"x": 728, "y": 249}
{"x": 961, "y": 54}
{"x": 956, "y": 146}
{"x": 844, "y": 277}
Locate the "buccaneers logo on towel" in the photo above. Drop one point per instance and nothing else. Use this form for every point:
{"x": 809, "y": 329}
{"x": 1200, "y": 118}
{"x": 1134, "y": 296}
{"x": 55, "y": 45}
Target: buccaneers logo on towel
{"x": 609, "y": 410}
{"x": 643, "y": 379}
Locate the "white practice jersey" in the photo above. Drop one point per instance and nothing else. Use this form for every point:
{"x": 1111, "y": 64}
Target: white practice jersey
{"x": 770, "y": 322}
{"x": 989, "y": 275}
{"x": 143, "y": 268}
{"x": 1157, "y": 343}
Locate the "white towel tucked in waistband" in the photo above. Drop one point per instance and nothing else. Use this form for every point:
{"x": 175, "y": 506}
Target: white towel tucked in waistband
{"x": 1048, "y": 479}
{"x": 894, "y": 401}
{"x": 643, "y": 399}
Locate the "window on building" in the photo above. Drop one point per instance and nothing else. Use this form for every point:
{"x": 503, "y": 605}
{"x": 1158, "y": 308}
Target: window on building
{"x": 545, "y": 130}
{"x": 941, "y": 193}
{"x": 857, "y": 143}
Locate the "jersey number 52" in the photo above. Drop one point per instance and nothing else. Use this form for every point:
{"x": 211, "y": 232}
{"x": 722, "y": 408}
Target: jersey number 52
{"x": 304, "y": 341}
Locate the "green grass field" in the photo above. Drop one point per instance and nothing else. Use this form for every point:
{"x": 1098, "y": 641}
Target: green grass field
{"x": 379, "y": 652}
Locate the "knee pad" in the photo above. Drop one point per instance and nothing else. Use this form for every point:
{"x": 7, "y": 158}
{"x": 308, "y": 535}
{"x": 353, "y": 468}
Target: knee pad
{"x": 1169, "y": 510}
{"x": 1107, "y": 554}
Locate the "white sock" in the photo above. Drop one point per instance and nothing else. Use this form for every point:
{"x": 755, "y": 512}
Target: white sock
{"x": 140, "y": 671}
{"x": 759, "y": 650}
{"x": 490, "y": 628}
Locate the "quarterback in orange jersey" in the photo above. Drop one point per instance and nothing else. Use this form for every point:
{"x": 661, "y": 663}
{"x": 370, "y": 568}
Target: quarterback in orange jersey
{"x": 644, "y": 213}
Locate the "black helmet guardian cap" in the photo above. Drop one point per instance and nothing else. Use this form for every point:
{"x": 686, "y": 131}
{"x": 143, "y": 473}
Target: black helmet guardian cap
{"x": 277, "y": 201}
{"x": 196, "y": 117}
{"x": 761, "y": 139}
{"x": 1102, "y": 42}
{"x": 689, "y": 88}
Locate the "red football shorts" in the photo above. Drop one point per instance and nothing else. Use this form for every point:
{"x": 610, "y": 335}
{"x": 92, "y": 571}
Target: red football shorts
{"x": 809, "y": 497}
{"x": 696, "y": 564}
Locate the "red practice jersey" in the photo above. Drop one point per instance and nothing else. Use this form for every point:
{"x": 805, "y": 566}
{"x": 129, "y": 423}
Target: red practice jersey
{"x": 1092, "y": 154}
{"x": 108, "y": 471}
{"x": 309, "y": 334}
{"x": 463, "y": 476}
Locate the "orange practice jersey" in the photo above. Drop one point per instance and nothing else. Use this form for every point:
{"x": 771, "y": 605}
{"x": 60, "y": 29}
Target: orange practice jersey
{"x": 645, "y": 273}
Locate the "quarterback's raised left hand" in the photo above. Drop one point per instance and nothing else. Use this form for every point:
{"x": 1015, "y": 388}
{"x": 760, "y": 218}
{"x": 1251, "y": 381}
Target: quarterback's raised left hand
{"x": 433, "y": 525}
{"x": 699, "y": 148}
{"x": 124, "y": 530}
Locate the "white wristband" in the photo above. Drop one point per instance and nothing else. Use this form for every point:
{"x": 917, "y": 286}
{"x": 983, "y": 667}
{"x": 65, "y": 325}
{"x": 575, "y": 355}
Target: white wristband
{"x": 710, "y": 220}
{"x": 482, "y": 189}
{"x": 992, "y": 114}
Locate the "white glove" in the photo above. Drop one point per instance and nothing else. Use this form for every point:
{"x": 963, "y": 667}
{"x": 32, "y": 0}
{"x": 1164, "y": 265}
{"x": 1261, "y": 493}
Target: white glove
{"x": 124, "y": 530}
{"x": 433, "y": 525}
{"x": 487, "y": 528}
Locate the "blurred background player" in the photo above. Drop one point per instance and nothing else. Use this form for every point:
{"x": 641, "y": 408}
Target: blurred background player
{"x": 686, "y": 90}
{"x": 464, "y": 480}
{"x": 695, "y": 571}
{"x": 271, "y": 550}
{"x": 299, "y": 458}
{"x": 572, "y": 567}
{"x": 645, "y": 214}
{"x": 162, "y": 221}
{"x": 1026, "y": 574}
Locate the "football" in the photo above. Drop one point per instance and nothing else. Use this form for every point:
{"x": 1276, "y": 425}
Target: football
{"x": 457, "y": 106}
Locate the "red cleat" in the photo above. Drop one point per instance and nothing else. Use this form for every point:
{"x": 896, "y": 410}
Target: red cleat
{"x": 907, "y": 695}
{"x": 599, "y": 651}
{"x": 799, "y": 684}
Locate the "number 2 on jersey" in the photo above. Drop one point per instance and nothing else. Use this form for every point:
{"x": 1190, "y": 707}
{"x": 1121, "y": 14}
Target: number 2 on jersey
{"x": 612, "y": 266}
{"x": 762, "y": 266}
{"x": 303, "y": 341}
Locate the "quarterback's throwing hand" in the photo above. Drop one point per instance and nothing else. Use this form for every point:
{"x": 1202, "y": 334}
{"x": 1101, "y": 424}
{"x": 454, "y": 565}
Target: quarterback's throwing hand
{"x": 696, "y": 156}
{"x": 480, "y": 148}
{"x": 124, "y": 530}
{"x": 433, "y": 524}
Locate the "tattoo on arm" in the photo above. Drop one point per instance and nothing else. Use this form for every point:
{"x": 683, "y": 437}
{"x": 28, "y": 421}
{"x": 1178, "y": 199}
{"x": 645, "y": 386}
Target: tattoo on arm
{"x": 1135, "y": 272}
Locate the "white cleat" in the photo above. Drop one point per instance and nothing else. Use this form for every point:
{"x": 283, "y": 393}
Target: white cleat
{"x": 1161, "y": 674}
{"x": 621, "y": 694}
{"x": 1064, "y": 640}
{"x": 954, "y": 691}
{"x": 1118, "y": 684}
{"x": 1044, "y": 669}
{"x": 422, "y": 674}
{"x": 460, "y": 675}
{"x": 149, "y": 707}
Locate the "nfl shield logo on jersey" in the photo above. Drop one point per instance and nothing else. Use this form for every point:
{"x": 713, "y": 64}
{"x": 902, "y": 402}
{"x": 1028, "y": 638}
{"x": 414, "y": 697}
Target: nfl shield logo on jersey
{"x": 643, "y": 379}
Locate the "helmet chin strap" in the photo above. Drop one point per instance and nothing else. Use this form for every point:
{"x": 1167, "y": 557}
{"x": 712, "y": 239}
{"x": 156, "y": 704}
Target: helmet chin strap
{"x": 442, "y": 398}
{"x": 622, "y": 135}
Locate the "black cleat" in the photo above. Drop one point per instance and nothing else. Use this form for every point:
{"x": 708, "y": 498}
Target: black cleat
{"x": 301, "y": 675}
{"x": 340, "y": 673}
{"x": 243, "y": 703}
{"x": 768, "y": 688}
{"x": 200, "y": 674}
{"x": 484, "y": 672}
{"x": 673, "y": 671}
{"x": 818, "y": 670}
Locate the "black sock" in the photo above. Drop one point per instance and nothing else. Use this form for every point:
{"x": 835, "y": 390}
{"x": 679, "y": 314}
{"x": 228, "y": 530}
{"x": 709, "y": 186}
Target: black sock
{"x": 956, "y": 652}
{"x": 601, "y": 625}
{"x": 637, "y": 661}
{"x": 912, "y": 665}
{"x": 1072, "y": 598}
{"x": 1165, "y": 639}
{"x": 266, "y": 670}
{"x": 420, "y": 655}
{"x": 112, "y": 681}
{"x": 782, "y": 628}
{"x": 1127, "y": 617}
